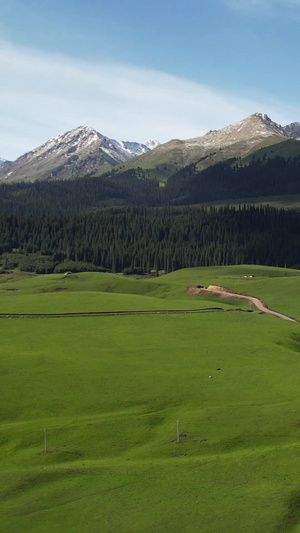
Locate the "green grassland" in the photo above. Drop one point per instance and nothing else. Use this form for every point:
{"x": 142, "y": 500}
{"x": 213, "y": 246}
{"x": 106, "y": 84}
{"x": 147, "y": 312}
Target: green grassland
{"x": 273, "y": 147}
{"x": 109, "y": 389}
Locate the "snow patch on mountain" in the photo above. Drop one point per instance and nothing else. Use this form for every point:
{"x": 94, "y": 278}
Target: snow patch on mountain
{"x": 152, "y": 143}
{"x": 134, "y": 148}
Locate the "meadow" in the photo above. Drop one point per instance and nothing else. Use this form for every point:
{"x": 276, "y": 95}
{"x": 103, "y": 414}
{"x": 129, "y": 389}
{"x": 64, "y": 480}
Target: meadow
{"x": 89, "y": 405}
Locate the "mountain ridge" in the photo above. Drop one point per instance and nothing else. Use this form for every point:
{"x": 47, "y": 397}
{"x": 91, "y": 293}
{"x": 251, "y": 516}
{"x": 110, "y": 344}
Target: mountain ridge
{"x": 235, "y": 140}
{"x": 73, "y": 154}
{"x": 84, "y": 151}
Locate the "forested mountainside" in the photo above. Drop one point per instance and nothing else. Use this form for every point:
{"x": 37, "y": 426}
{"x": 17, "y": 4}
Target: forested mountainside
{"x": 140, "y": 240}
{"x": 128, "y": 222}
{"x": 229, "y": 180}
{"x": 89, "y": 193}
{"x": 223, "y": 181}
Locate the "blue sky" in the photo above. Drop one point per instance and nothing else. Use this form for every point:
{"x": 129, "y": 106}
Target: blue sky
{"x": 140, "y": 70}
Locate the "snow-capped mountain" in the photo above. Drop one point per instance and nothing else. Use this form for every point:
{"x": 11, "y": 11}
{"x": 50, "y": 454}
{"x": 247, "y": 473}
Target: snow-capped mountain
{"x": 152, "y": 144}
{"x": 74, "y": 154}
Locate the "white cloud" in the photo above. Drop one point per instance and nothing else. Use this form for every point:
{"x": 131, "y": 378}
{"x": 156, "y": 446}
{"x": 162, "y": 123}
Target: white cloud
{"x": 43, "y": 95}
{"x": 264, "y": 6}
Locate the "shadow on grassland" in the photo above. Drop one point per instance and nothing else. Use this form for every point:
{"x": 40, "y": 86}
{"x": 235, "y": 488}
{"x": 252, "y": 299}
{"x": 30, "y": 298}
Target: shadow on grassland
{"x": 291, "y": 517}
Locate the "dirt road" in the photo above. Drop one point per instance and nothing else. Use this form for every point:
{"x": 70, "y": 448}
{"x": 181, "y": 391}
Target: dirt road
{"x": 223, "y": 292}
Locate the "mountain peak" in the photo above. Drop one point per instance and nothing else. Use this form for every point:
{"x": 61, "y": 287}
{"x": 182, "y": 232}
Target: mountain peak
{"x": 265, "y": 119}
{"x": 152, "y": 143}
{"x": 83, "y": 130}
{"x": 76, "y": 153}
{"x": 291, "y": 130}
{"x": 262, "y": 116}
{"x": 250, "y": 130}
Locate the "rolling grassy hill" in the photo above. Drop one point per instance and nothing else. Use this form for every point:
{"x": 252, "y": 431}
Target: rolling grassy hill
{"x": 108, "y": 391}
{"x": 286, "y": 149}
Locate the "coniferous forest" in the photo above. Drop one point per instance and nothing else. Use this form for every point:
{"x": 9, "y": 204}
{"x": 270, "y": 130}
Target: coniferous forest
{"x": 126, "y": 222}
{"x": 138, "y": 240}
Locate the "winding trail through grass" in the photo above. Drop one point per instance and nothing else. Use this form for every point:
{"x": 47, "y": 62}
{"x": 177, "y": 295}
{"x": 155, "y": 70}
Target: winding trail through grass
{"x": 223, "y": 292}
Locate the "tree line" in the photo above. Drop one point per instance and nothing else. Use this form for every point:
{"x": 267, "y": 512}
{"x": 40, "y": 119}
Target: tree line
{"x": 141, "y": 240}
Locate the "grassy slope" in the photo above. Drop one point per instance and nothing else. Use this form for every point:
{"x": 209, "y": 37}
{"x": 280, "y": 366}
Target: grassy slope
{"x": 277, "y": 286}
{"x": 95, "y": 292}
{"x": 168, "y": 158}
{"x": 110, "y": 389}
{"x": 287, "y": 148}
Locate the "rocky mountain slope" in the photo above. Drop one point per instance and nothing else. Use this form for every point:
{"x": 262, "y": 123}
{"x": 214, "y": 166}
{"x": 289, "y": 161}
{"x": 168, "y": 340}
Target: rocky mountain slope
{"x": 254, "y": 132}
{"x": 4, "y": 162}
{"x": 76, "y": 153}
